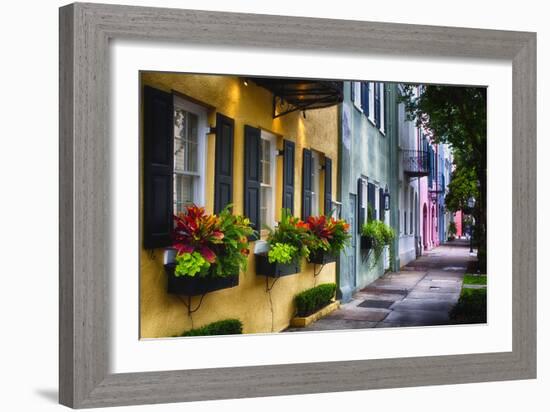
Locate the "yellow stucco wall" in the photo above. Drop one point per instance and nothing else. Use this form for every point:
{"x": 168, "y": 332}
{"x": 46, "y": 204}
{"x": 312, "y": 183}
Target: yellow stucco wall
{"x": 164, "y": 315}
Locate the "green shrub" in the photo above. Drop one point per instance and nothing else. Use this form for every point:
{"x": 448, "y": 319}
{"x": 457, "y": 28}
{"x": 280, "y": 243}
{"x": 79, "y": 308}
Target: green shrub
{"x": 221, "y": 327}
{"x": 471, "y": 307}
{"x": 311, "y": 300}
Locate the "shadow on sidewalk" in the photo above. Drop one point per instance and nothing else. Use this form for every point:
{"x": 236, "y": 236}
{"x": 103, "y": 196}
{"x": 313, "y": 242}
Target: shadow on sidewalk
{"x": 421, "y": 294}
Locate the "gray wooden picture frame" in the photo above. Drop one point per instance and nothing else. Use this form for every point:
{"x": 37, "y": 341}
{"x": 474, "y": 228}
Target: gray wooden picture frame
{"x": 85, "y": 31}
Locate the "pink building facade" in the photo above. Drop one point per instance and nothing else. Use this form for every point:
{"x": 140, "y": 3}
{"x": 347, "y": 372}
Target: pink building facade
{"x": 429, "y": 210}
{"x": 458, "y": 223}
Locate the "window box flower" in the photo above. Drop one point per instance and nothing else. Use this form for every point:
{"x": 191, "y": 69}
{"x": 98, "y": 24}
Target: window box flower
{"x": 376, "y": 235}
{"x": 328, "y": 237}
{"x": 211, "y": 250}
{"x": 287, "y": 244}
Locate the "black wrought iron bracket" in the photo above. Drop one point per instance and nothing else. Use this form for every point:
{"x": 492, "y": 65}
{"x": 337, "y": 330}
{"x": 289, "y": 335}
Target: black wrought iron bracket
{"x": 188, "y": 304}
{"x": 267, "y": 287}
{"x": 315, "y": 272}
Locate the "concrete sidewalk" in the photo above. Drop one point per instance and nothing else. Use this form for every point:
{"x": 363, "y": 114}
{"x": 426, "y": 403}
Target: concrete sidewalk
{"x": 421, "y": 294}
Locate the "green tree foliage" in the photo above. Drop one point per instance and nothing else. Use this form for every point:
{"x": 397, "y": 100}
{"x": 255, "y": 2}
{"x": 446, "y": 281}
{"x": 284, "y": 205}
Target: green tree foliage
{"x": 462, "y": 186}
{"x": 457, "y": 116}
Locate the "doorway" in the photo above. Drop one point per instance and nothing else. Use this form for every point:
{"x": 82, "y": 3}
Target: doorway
{"x": 425, "y": 226}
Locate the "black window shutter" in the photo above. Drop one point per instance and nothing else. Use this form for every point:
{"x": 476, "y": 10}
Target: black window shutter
{"x": 370, "y": 199}
{"x": 223, "y": 180}
{"x": 252, "y": 176}
{"x": 158, "y": 135}
{"x": 306, "y": 183}
{"x": 289, "y": 150}
{"x": 360, "y": 208}
{"x": 365, "y": 97}
{"x": 377, "y": 104}
{"x": 328, "y": 185}
{"x": 381, "y": 203}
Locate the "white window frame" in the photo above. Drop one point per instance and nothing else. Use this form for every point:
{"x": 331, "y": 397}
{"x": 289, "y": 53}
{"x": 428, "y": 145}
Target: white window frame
{"x": 202, "y": 130}
{"x": 270, "y": 137}
{"x": 372, "y": 85}
{"x": 382, "y": 111}
{"x": 315, "y": 182}
{"x": 403, "y": 210}
{"x": 412, "y": 227}
{"x": 357, "y": 95}
{"x": 377, "y": 201}
{"x": 365, "y": 196}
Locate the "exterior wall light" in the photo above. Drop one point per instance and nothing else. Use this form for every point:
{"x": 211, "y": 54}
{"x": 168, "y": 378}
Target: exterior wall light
{"x": 387, "y": 199}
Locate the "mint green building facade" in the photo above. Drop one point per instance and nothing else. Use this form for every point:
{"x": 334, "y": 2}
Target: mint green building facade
{"x": 368, "y": 177}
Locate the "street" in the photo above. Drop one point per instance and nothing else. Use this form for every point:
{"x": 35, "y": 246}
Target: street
{"x": 421, "y": 294}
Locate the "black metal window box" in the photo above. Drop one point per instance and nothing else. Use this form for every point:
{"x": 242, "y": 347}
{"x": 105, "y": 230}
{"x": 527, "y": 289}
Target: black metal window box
{"x": 366, "y": 243}
{"x": 195, "y": 285}
{"x": 321, "y": 257}
{"x": 274, "y": 270}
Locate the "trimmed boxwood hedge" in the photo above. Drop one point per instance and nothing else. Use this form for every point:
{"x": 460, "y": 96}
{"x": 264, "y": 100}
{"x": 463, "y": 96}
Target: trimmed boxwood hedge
{"x": 221, "y": 327}
{"x": 311, "y": 300}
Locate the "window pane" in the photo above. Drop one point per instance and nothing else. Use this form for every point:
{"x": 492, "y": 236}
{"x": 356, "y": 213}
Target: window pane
{"x": 267, "y": 180}
{"x": 183, "y": 192}
{"x": 185, "y": 141}
{"x": 315, "y": 189}
{"x": 265, "y": 162}
{"x": 192, "y": 153}
{"x": 192, "y": 127}
{"x": 267, "y": 148}
{"x": 192, "y": 142}
{"x": 180, "y": 149}
{"x": 265, "y": 206}
{"x": 266, "y": 173}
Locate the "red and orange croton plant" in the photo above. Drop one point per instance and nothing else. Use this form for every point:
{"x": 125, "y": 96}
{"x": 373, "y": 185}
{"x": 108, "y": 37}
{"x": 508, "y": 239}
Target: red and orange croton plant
{"x": 210, "y": 245}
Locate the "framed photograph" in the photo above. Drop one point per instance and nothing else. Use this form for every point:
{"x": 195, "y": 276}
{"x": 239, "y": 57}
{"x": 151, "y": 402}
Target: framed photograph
{"x": 257, "y": 205}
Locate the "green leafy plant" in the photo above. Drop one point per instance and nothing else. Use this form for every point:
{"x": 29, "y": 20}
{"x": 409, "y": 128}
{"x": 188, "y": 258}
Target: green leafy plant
{"x": 282, "y": 253}
{"x": 191, "y": 264}
{"x": 311, "y": 300}
{"x": 388, "y": 234}
{"x": 210, "y": 245}
{"x": 293, "y": 232}
{"x": 380, "y": 235}
{"x": 232, "y": 253}
{"x": 221, "y": 327}
{"x": 370, "y": 213}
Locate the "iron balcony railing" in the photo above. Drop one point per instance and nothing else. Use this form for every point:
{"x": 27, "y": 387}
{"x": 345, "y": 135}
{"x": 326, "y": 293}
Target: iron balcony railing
{"x": 437, "y": 187}
{"x": 415, "y": 163}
